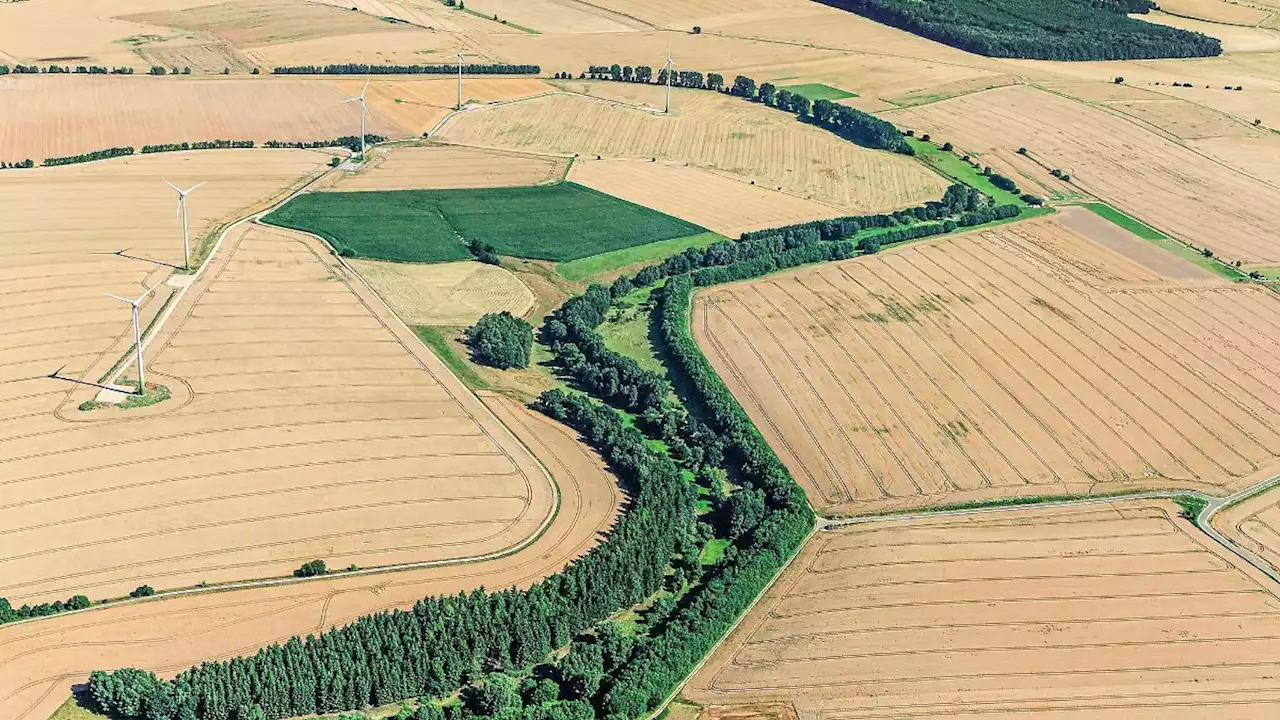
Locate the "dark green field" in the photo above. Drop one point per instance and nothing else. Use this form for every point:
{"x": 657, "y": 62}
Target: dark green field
{"x": 547, "y": 222}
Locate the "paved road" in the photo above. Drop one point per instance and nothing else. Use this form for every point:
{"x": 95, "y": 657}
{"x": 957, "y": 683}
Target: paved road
{"x": 1213, "y": 505}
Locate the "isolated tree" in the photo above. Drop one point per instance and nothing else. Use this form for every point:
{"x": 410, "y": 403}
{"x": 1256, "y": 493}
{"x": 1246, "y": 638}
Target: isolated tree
{"x": 311, "y": 569}
{"x": 947, "y": 147}
{"x": 143, "y": 591}
{"x": 501, "y": 340}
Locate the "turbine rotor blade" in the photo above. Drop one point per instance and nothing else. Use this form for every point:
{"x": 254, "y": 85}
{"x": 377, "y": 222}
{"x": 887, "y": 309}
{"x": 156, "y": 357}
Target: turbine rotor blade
{"x": 117, "y": 297}
{"x": 193, "y": 187}
{"x": 175, "y": 187}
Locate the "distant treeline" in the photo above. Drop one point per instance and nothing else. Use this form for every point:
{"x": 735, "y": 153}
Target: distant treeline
{"x": 363, "y": 69}
{"x": 205, "y": 145}
{"x": 8, "y": 614}
{"x": 65, "y": 70}
{"x": 89, "y": 157}
{"x": 28, "y": 163}
{"x": 851, "y": 124}
{"x": 350, "y": 142}
{"x": 1062, "y": 30}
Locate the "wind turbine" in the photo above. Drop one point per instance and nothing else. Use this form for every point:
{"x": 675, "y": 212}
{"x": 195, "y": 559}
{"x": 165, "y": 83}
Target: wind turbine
{"x": 459, "y": 56}
{"x": 137, "y": 334}
{"x": 182, "y": 210}
{"x": 364, "y": 111}
{"x": 669, "y": 68}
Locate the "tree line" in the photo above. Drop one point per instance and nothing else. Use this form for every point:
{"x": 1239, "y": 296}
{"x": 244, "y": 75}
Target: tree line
{"x": 473, "y": 640}
{"x": 28, "y": 163}
{"x": 202, "y": 145}
{"x": 350, "y": 142}
{"x": 89, "y": 156}
{"x": 65, "y": 70}
{"x": 849, "y": 123}
{"x": 10, "y": 614}
{"x": 365, "y": 69}
{"x": 1063, "y": 30}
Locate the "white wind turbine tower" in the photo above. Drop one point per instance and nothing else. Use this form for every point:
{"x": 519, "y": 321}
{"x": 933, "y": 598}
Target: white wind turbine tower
{"x": 137, "y": 334}
{"x": 670, "y": 69}
{"x": 182, "y": 211}
{"x": 459, "y": 56}
{"x": 364, "y": 112}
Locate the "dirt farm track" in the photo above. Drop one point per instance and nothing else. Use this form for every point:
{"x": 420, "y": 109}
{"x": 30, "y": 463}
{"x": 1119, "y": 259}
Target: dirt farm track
{"x": 1023, "y": 360}
{"x": 1123, "y": 610}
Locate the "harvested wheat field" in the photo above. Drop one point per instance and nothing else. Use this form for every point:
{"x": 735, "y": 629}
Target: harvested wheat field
{"x": 1098, "y": 611}
{"x": 1236, "y": 39}
{"x": 40, "y": 661}
{"x": 446, "y": 167}
{"x": 456, "y": 293}
{"x": 557, "y": 17}
{"x": 1185, "y": 120}
{"x": 306, "y": 423}
{"x": 1259, "y": 157}
{"x": 1027, "y": 359}
{"x": 1218, "y": 11}
{"x": 707, "y": 130}
{"x": 246, "y": 24}
{"x": 1255, "y": 525}
{"x": 73, "y": 233}
{"x": 724, "y": 204}
{"x": 1162, "y": 183}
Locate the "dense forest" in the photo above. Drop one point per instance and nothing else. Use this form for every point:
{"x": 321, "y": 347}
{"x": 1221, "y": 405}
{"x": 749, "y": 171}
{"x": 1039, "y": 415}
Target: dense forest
{"x": 668, "y": 448}
{"x": 1063, "y": 30}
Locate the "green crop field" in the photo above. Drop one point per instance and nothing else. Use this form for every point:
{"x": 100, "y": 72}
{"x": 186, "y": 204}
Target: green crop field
{"x": 606, "y": 263}
{"x": 818, "y": 91}
{"x": 560, "y": 222}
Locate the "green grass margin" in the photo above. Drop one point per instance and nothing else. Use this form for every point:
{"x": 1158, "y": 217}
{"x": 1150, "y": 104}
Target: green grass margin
{"x": 433, "y": 337}
{"x": 1154, "y": 236}
{"x": 714, "y": 551}
{"x": 819, "y": 91}
{"x": 952, "y": 166}
{"x": 614, "y": 260}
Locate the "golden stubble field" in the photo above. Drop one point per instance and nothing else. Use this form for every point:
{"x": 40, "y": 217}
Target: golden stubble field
{"x": 714, "y": 201}
{"x": 1047, "y": 357}
{"x": 748, "y": 141}
{"x": 42, "y": 660}
{"x": 1101, "y": 611}
{"x": 53, "y": 116}
{"x": 447, "y": 167}
{"x": 1168, "y": 185}
{"x": 457, "y": 293}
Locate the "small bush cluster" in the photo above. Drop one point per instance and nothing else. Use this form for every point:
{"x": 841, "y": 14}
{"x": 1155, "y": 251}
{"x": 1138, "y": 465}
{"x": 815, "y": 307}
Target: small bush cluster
{"x": 314, "y": 568}
{"x": 501, "y": 340}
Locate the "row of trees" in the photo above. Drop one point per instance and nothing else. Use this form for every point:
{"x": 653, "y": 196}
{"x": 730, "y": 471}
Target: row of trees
{"x": 350, "y": 142}
{"x": 202, "y": 145}
{"x": 501, "y": 340}
{"x": 65, "y": 69}
{"x": 10, "y": 614}
{"x": 1063, "y": 30}
{"x": 89, "y": 157}
{"x": 366, "y": 69}
{"x": 28, "y": 163}
{"x": 849, "y": 123}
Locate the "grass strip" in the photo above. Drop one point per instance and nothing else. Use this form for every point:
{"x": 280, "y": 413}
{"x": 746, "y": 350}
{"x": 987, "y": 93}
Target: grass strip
{"x": 1152, "y": 235}
{"x": 818, "y": 91}
{"x": 435, "y": 340}
{"x": 950, "y": 165}
{"x": 596, "y": 265}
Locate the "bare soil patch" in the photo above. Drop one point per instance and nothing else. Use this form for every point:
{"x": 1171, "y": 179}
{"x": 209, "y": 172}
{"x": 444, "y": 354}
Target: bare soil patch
{"x": 450, "y": 167}
{"x": 1164, "y": 184}
{"x": 1023, "y": 360}
{"x": 457, "y": 293}
{"x": 706, "y": 130}
{"x": 40, "y": 661}
{"x": 1122, "y": 610}
{"x": 717, "y": 202}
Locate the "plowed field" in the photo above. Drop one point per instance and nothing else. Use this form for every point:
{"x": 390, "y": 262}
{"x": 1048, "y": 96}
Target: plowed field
{"x": 1021, "y": 360}
{"x": 708, "y": 130}
{"x": 40, "y": 661}
{"x": 1162, "y": 183}
{"x": 1107, "y": 611}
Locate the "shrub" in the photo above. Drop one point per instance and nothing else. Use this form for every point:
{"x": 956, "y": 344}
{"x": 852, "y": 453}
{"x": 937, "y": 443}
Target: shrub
{"x": 1030, "y": 199}
{"x": 311, "y": 569}
{"x": 925, "y": 137}
{"x": 1119, "y": 80}
{"x": 1022, "y": 150}
{"x": 501, "y": 340}
{"x": 948, "y": 147}
{"x": 143, "y": 591}
{"x": 697, "y": 29}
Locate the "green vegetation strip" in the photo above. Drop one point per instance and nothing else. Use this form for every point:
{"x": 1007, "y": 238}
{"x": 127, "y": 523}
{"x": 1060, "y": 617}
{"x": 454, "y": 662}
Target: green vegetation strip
{"x": 605, "y": 263}
{"x": 953, "y": 166}
{"x": 434, "y": 338}
{"x": 1146, "y": 232}
{"x": 152, "y": 395}
{"x": 818, "y": 91}
{"x": 561, "y": 222}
